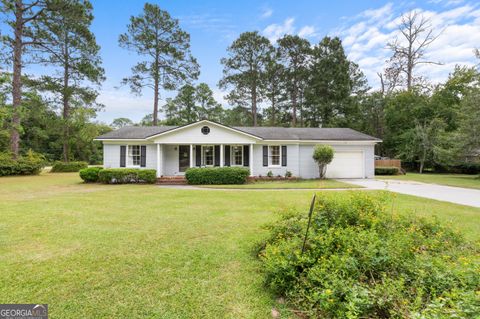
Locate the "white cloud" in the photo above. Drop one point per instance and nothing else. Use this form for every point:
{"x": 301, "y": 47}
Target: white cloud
{"x": 266, "y": 13}
{"x": 307, "y": 31}
{"x": 275, "y": 31}
{"x": 366, "y": 35}
{"x": 378, "y": 14}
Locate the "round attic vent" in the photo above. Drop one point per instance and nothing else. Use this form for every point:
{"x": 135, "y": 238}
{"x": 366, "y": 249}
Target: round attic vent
{"x": 205, "y": 130}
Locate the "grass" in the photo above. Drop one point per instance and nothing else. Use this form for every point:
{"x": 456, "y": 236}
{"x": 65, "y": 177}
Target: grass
{"x": 103, "y": 251}
{"x": 300, "y": 184}
{"x": 458, "y": 180}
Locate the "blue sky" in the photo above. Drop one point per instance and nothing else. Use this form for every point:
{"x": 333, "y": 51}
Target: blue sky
{"x": 364, "y": 26}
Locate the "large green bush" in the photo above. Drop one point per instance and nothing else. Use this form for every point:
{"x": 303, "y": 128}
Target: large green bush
{"x": 90, "y": 174}
{"x": 216, "y": 175}
{"x": 29, "y": 164}
{"x": 363, "y": 261}
{"x": 387, "y": 170}
{"x": 64, "y": 167}
{"x": 127, "y": 176}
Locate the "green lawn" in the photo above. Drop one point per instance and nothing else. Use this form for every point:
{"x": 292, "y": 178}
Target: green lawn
{"x": 305, "y": 183}
{"x": 458, "y": 180}
{"x": 103, "y": 251}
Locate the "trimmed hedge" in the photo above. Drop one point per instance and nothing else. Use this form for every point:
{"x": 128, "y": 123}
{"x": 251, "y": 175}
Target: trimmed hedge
{"x": 127, "y": 176}
{"x": 387, "y": 170}
{"x": 64, "y": 167}
{"x": 90, "y": 174}
{"x": 217, "y": 175}
{"x": 362, "y": 261}
{"x": 30, "y": 164}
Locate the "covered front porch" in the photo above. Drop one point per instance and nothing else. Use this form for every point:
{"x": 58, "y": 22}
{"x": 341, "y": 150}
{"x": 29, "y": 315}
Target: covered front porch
{"x": 175, "y": 159}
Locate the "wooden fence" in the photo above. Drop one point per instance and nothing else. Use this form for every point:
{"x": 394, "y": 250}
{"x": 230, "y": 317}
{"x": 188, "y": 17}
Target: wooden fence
{"x": 388, "y": 163}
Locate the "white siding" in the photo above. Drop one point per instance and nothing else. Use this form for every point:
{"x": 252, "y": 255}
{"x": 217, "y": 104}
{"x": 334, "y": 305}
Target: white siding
{"x": 111, "y": 155}
{"x": 193, "y": 135}
{"x": 292, "y": 161}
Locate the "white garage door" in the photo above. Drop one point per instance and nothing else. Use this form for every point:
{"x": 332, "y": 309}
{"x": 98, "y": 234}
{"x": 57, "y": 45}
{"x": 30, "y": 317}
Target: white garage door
{"x": 346, "y": 165}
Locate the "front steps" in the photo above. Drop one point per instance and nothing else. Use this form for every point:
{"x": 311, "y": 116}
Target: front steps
{"x": 172, "y": 180}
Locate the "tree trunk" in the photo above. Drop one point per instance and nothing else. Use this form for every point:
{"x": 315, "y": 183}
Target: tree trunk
{"x": 273, "y": 111}
{"x": 410, "y": 58}
{"x": 17, "y": 79}
{"x": 66, "y": 105}
{"x": 294, "y": 107}
{"x": 156, "y": 85}
{"x": 422, "y": 161}
{"x": 254, "y": 105}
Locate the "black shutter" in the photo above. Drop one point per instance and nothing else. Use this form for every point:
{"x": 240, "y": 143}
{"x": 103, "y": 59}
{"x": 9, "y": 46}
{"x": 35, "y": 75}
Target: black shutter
{"x": 198, "y": 155}
{"x": 284, "y": 155}
{"x": 217, "y": 155}
{"x": 123, "y": 155}
{"x": 143, "y": 156}
{"x": 265, "y": 155}
{"x": 227, "y": 155}
{"x": 246, "y": 155}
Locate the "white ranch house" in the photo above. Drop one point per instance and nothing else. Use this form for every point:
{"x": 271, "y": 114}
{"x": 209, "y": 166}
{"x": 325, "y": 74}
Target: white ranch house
{"x": 171, "y": 150}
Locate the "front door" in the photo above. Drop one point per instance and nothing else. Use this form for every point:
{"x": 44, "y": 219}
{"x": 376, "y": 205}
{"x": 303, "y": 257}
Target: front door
{"x": 183, "y": 158}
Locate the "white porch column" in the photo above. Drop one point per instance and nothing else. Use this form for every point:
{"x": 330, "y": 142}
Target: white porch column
{"x": 191, "y": 155}
{"x": 221, "y": 155}
{"x": 159, "y": 164}
{"x": 250, "y": 159}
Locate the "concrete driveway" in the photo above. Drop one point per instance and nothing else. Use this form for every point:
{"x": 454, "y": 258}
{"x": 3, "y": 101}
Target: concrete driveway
{"x": 457, "y": 195}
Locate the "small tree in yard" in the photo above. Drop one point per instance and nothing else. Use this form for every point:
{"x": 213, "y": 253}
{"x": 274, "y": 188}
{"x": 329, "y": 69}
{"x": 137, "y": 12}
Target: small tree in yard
{"x": 323, "y": 155}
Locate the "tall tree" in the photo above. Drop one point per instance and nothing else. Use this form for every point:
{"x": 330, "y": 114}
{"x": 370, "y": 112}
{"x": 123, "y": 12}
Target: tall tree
{"x": 207, "y": 106}
{"x": 274, "y": 87}
{"x": 244, "y": 70}
{"x": 416, "y": 34}
{"x": 71, "y": 48}
{"x": 294, "y": 53}
{"x": 20, "y": 14}
{"x": 469, "y": 129}
{"x": 186, "y": 106}
{"x": 192, "y": 104}
{"x": 168, "y": 62}
{"x": 331, "y": 82}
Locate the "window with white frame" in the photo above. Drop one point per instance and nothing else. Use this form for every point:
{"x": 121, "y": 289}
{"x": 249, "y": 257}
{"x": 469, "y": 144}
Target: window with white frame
{"x": 237, "y": 155}
{"x": 134, "y": 155}
{"x": 274, "y": 155}
{"x": 208, "y": 153}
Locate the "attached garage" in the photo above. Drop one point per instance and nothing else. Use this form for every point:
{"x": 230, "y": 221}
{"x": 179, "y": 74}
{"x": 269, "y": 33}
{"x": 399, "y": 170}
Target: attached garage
{"x": 347, "y": 164}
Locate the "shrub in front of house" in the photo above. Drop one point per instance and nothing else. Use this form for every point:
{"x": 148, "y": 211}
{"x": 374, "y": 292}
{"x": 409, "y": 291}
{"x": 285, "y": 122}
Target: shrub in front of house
{"x": 127, "y": 176}
{"x": 90, "y": 174}
{"x": 216, "y": 175}
{"x": 386, "y": 170}
{"x": 362, "y": 260}
{"x": 31, "y": 163}
{"x": 68, "y": 167}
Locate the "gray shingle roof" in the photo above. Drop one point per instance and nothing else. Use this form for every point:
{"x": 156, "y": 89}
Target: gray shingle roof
{"x": 135, "y": 132}
{"x": 306, "y": 133}
{"x": 267, "y": 133}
